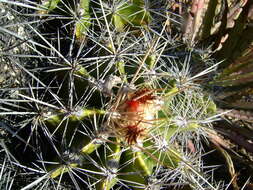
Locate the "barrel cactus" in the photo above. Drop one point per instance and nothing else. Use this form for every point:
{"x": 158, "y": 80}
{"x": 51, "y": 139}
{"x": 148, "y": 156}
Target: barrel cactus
{"x": 106, "y": 96}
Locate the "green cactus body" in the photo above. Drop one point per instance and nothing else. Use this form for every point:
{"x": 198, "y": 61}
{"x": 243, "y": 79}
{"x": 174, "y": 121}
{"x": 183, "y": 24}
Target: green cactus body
{"x": 61, "y": 170}
{"x": 132, "y": 14}
{"x": 122, "y": 100}
{"x": 83, "y": 25}
{"x": 50, "y": 5}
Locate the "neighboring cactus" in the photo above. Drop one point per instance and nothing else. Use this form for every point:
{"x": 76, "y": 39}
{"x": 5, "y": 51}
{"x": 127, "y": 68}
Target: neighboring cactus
{"x": 225, "y": 27}
{"x": 108, "y": 99}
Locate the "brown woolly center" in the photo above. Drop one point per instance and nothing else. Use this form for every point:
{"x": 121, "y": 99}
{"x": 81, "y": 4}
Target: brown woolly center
{"x": 137, "y": 113}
